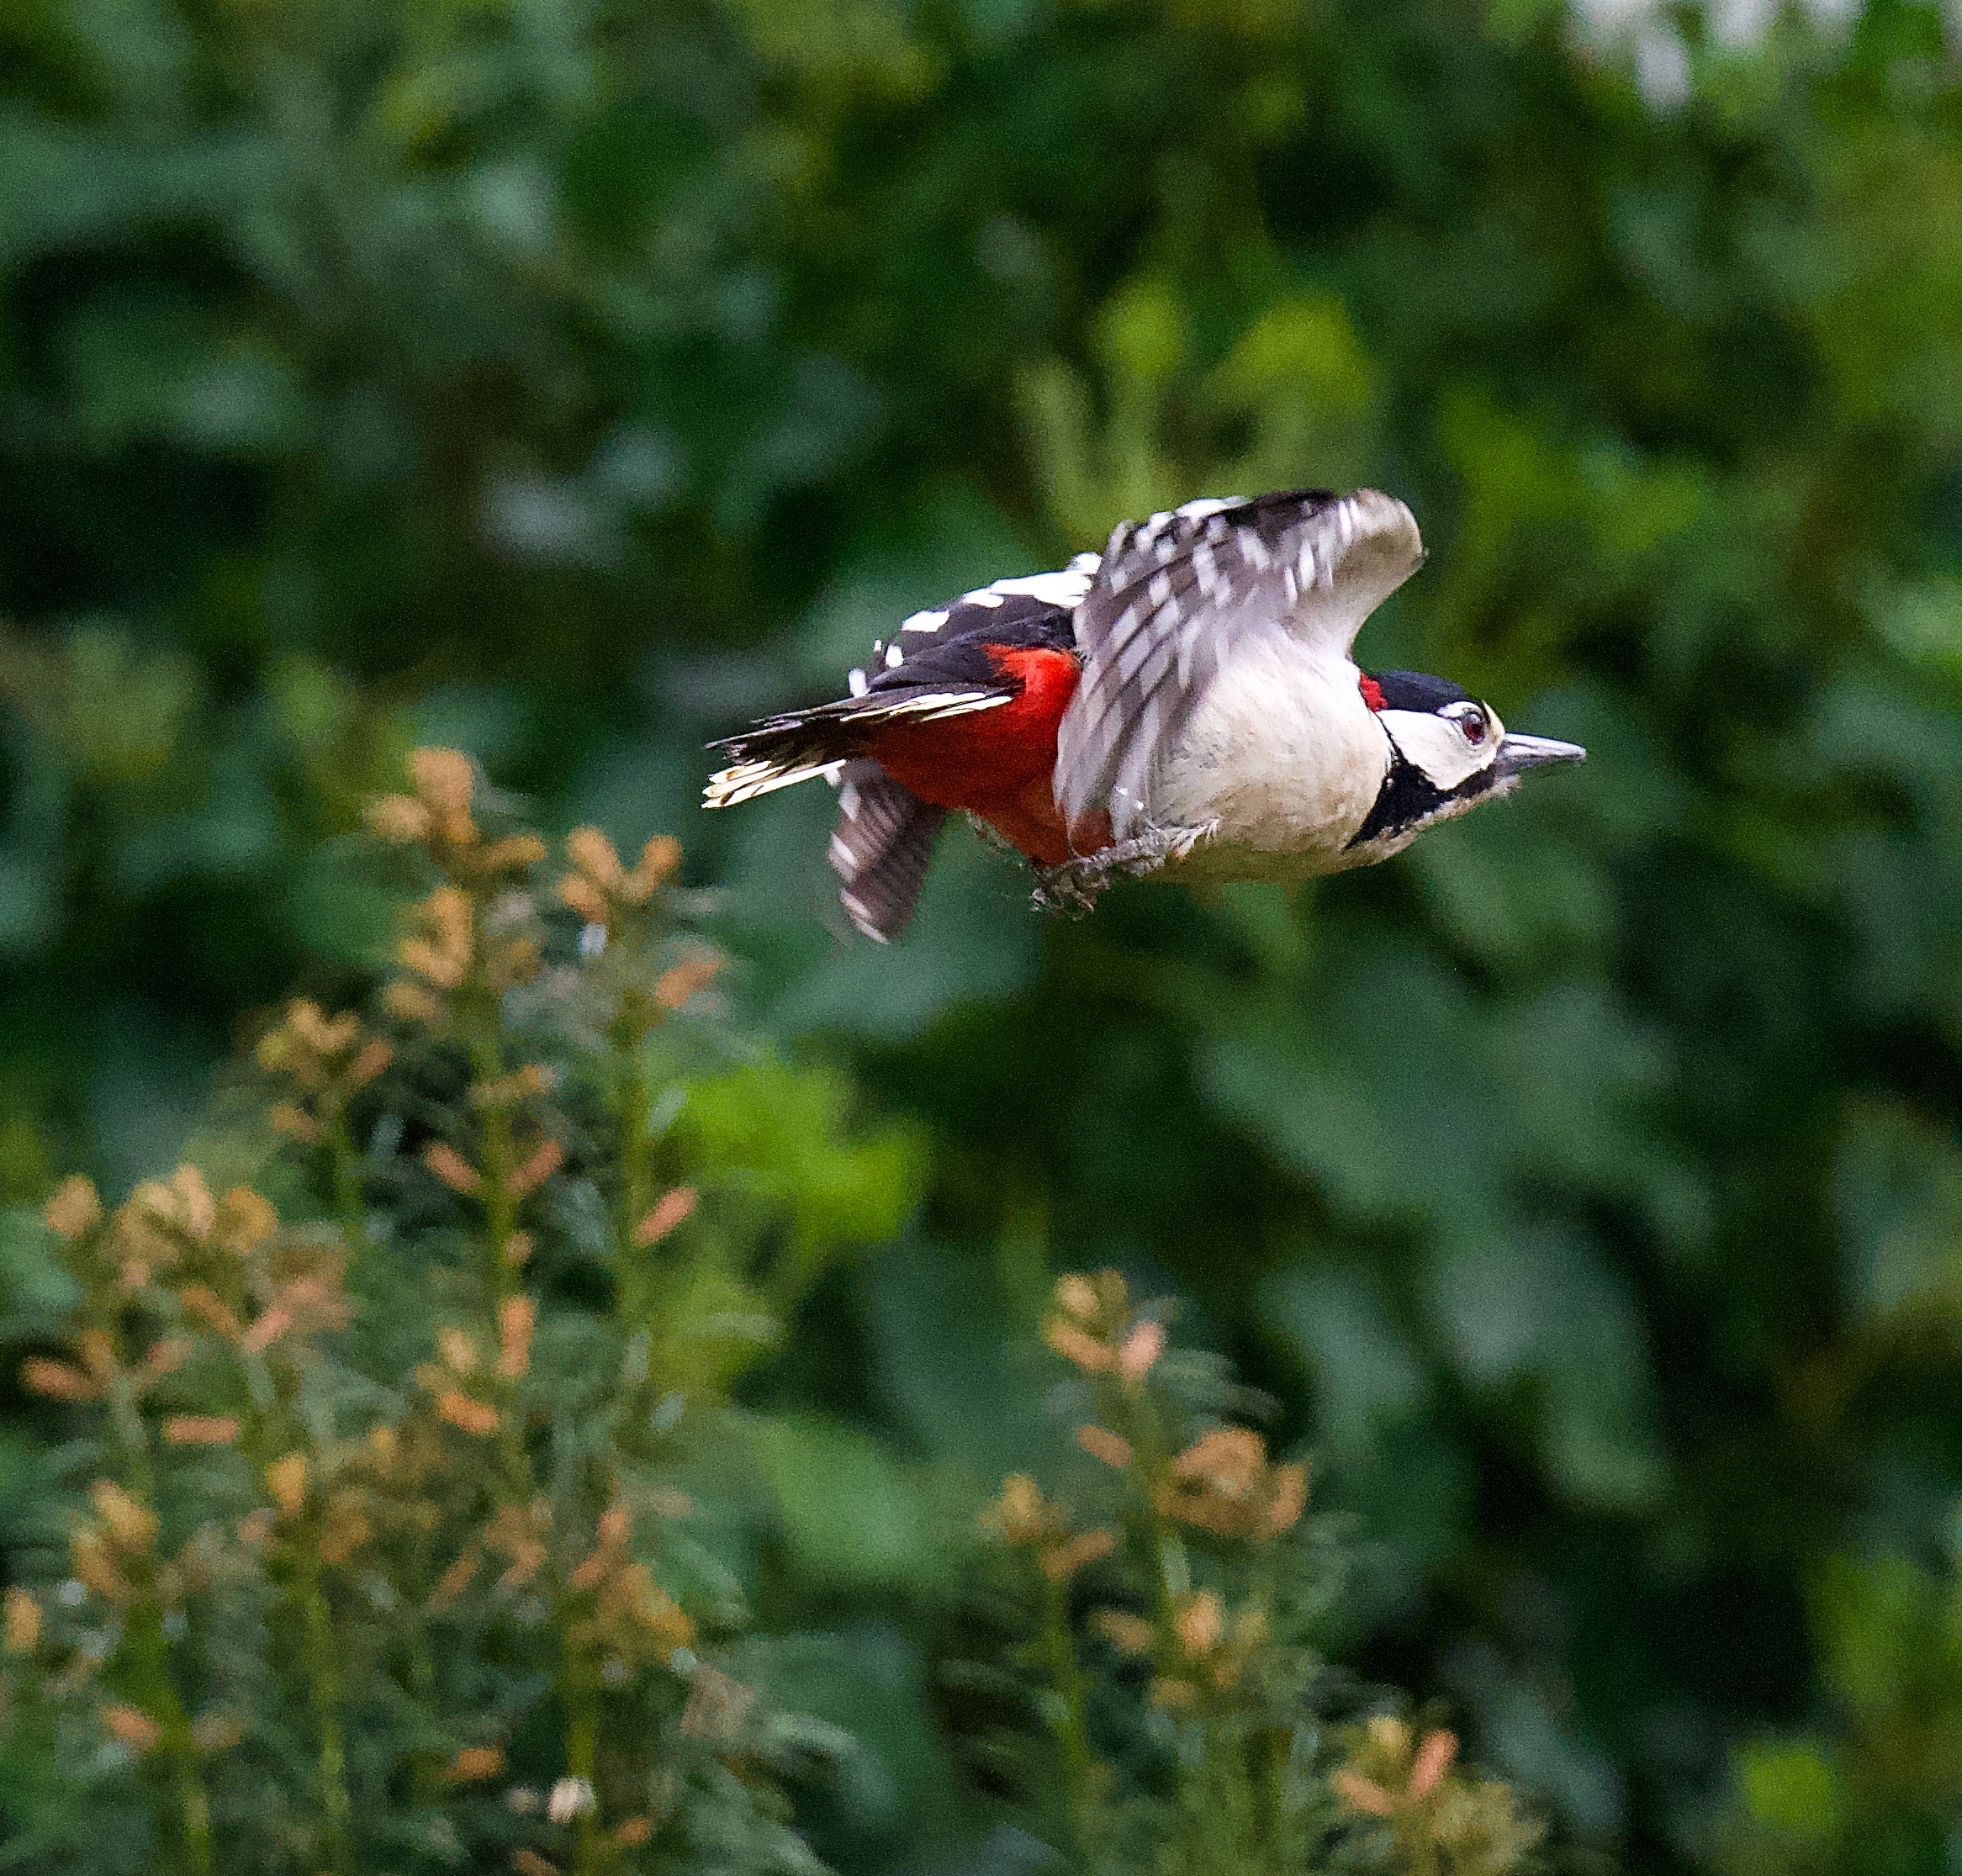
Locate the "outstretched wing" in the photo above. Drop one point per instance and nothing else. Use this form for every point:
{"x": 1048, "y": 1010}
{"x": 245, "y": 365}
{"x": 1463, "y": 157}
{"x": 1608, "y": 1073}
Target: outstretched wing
{"x": 1176, "y": 594}
{"x": 881, "y": 851}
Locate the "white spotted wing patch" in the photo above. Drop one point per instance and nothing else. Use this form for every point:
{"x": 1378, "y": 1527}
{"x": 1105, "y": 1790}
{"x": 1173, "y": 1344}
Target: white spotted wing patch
{"x": 1177, "y": 592}
{"x": 993, "y": 611}
{"x": 1065, "y": 588}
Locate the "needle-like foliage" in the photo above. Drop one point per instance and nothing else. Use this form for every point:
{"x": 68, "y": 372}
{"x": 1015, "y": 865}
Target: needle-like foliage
{"x": 381, "y": 1554}
{"x": 1156, "y": 1608}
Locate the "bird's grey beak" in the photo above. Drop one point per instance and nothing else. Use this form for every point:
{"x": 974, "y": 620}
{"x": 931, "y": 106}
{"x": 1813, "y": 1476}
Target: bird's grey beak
{"x": 1520, "y": 752}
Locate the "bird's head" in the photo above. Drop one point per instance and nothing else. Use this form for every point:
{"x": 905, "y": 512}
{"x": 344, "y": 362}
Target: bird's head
{"x": 1447, "y": 752}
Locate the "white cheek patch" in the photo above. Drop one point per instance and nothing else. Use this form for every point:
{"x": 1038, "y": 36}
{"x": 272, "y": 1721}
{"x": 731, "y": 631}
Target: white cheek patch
{"x": 1437, "y": 746}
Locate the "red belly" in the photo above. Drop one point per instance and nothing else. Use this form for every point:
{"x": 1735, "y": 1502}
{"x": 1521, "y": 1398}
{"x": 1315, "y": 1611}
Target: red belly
{"x": 999, "y": 763}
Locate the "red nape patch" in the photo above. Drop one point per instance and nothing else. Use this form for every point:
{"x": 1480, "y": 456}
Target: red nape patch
{"x": 1371, "y": 691}
{"x": 997, "y": 764}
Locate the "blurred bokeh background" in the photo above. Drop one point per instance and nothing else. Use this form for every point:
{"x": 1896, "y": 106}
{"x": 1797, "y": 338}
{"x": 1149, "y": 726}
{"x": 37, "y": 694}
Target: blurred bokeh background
{"x": 570, "y": 381}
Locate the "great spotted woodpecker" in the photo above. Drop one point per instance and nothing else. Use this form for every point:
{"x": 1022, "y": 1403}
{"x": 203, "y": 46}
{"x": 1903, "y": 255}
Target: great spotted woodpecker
{"x": 1183, "y": 703}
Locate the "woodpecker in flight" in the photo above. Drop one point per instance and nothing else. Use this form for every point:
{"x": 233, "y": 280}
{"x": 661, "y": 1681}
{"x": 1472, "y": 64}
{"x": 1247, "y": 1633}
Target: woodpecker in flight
{"x": 1185, "y": 703}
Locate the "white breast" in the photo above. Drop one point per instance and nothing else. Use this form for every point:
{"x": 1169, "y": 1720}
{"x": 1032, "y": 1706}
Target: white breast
{"x": 1283, "y": 755}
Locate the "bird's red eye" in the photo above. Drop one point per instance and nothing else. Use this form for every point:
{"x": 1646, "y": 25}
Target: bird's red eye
{"x": 1473, "y": 723}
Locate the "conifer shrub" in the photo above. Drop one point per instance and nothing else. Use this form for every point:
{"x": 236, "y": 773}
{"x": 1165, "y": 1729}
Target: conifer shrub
{"x": 377, "y": 1434}
{"x": 1156, "y": 1619}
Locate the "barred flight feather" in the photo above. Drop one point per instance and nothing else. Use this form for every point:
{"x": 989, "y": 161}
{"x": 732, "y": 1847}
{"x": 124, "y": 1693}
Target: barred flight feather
{"x": 1179, "y": 593}
{"x": 881, "y": 848}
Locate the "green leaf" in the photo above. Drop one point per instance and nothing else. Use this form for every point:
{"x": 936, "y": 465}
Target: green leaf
{"x": 851, "y": 1514}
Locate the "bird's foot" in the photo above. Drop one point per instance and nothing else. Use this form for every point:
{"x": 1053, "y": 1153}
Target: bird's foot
{"x": 1073, "y": 886}
{"x": 1064, "y": 890}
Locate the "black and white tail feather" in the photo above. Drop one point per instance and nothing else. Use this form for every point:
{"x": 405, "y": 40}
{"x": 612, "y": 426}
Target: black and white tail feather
{"x": 798, "y": 747}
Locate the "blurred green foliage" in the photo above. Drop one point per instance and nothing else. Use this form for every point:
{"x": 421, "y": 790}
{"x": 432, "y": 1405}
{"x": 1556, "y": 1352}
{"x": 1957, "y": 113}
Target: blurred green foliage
{"x": 1879, "y": 1791}
{"x": 572, "y": 382}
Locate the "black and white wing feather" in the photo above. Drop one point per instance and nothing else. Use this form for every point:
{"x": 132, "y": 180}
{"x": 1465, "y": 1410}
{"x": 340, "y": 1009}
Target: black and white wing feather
{"x": 1176, "y": 594}
{"x": 881, "y": 850}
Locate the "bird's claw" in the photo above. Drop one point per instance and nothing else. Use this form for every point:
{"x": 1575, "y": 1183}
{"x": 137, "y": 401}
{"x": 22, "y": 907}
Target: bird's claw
{"x": 1069, "y": 889}
{"x": 1073, "y": 886}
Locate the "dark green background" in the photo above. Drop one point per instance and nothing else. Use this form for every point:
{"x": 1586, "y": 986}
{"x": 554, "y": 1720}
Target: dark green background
{"x": 571, "y": 382}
